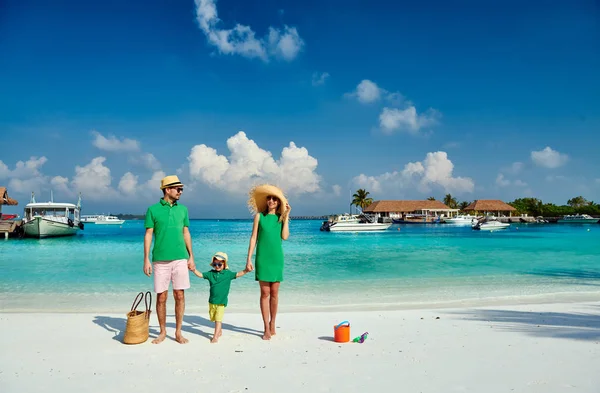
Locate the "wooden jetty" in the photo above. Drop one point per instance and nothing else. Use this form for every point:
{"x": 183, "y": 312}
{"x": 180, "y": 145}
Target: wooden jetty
{"x": 9, "y": 228}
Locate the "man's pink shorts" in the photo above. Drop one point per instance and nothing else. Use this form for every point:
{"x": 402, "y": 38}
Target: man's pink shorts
{"x": 166, "y": 272}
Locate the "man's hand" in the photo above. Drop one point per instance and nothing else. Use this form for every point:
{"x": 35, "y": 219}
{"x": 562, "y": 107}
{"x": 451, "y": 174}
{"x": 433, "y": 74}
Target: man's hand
{"x": 147, "y": 267}
{"x": 191, "y": 264}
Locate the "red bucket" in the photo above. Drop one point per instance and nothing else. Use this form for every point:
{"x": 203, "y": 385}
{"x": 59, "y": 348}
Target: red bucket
{"x": 341, "y": 332}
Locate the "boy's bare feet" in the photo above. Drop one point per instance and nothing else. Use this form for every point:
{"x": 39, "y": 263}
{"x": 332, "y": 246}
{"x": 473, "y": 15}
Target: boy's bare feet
{"x": 180, "y": 339}
{"x": 160, "y": 338}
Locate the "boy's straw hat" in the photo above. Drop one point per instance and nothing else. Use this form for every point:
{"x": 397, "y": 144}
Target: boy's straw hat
{"x": 221, "y": 256}
{"x": 257, "y": 201}
{"x": 170, "y": 181}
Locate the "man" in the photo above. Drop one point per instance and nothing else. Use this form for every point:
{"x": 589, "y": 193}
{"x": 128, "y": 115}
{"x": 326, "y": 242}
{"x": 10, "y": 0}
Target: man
{"x": 172, "y": 255}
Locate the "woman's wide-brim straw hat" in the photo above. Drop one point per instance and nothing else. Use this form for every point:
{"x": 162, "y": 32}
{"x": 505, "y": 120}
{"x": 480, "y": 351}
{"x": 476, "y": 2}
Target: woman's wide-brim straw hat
{"x": 257, "y": 201}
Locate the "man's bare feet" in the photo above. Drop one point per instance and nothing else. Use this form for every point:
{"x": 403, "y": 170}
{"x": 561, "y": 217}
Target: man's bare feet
{"x": 180, "y": 339}
{"x": 160, "y": 338}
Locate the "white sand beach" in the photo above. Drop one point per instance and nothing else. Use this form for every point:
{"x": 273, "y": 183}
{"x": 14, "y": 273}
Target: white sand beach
{"x": 520, "y": 348}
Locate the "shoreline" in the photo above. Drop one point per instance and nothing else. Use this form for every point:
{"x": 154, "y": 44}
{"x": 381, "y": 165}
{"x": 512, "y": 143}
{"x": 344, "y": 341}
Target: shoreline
{"x": 525, "y": 348}
{"x": 196, "y": 306}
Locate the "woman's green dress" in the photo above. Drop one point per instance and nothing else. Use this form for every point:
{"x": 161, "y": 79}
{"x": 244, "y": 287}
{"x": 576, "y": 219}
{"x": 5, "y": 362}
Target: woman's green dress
{"x": 269, "y": 249}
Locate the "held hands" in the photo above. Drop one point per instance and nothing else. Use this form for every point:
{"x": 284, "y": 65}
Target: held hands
{"x": 191, "y": 264}
{"x": 249, "y": 266}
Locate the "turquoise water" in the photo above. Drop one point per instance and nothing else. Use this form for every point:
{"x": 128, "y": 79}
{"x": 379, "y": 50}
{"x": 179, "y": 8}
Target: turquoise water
{"x": 406, "y": 266}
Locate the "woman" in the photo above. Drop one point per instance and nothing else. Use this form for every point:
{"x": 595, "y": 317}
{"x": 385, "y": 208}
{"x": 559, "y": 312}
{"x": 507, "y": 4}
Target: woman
{"x": 271, "y": 226}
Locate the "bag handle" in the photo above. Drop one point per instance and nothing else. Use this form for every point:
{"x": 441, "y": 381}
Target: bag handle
{"x": 137, "y": 299}
{"x": 148, "y": 302}
{"x": 340, "y": 325}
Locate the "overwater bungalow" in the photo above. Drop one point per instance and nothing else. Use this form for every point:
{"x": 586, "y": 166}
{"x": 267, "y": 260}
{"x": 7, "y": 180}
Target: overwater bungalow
{"x": 490, "y": 207}
{"x": 410, "y": 212}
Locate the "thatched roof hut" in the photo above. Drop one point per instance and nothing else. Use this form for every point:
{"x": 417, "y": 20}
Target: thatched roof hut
{"x": 489, "y": 206}
{"x": 405, "y": 206}
{"x": 4, "y": 199}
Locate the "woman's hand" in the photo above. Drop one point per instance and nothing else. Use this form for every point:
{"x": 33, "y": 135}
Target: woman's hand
{"x": 287, "y": 210}
{"x": 249, "y": 266}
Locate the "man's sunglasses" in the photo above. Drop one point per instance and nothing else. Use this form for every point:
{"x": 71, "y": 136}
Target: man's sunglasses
{"x": 179, "y": 189}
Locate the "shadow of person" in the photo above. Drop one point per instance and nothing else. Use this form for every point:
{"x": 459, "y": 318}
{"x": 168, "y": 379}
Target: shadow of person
{"x": 197, "y": 321}
{"x": 116, "y": 326}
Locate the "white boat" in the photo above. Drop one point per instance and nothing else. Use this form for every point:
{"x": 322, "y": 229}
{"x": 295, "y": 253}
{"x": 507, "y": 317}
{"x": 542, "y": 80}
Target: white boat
{"x": 461, "y": 219}
{"x": 51, "y": 219}
{"x": 579, "y": 219}
{"x": 89, "y": 219}
{"x": 489, "y": 224}
{"x": 108, "y": 220}
{"x": 353, "y": 223}
{"x": 101, "y": 219}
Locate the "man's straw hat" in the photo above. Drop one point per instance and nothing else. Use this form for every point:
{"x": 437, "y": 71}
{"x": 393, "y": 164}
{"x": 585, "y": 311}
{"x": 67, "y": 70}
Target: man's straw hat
{"x": 170, "y": 181}
{"x": 220, "y": 256}
{"x": 257, "y": 201}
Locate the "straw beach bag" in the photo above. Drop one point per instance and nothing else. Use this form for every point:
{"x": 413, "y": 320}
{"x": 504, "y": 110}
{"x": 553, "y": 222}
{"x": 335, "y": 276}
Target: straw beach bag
{"x": 138, "y": 322}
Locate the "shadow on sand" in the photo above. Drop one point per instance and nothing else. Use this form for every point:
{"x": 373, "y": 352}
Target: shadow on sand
{"x": 574, "y": 326}
{"x": 191, "y": 324}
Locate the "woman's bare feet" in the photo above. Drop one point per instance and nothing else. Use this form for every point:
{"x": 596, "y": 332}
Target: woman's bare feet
{"x": 180, "y": 339}
{"x": 267, "y": 335}
{"x": 272, "y": 329}
{"x": 161, "y": 337}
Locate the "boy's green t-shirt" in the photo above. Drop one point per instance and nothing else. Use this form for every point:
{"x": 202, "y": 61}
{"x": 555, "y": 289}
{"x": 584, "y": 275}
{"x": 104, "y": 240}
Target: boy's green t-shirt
{"x": 220, "y": 283}
{"x": 168, "y": 222}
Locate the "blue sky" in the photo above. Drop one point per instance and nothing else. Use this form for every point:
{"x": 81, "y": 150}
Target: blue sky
{"x": 407, "y": 99}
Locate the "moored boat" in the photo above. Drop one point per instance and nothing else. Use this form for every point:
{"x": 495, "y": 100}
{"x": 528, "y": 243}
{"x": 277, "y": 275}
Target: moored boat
{"x": 353, "y": 223}
{"x": 50, "y": 219}
{"x": 578, "y": 219}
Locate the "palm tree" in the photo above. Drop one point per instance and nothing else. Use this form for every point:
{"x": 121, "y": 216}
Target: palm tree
{"x": 360, "y": 199}
{"x": 463, "y": 205}
{"x": 431, "y": 199}
{"x": 452, "y": 203}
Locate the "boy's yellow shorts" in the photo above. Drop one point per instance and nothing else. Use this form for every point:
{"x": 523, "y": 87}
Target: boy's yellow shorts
{"x": 216, "y": 312}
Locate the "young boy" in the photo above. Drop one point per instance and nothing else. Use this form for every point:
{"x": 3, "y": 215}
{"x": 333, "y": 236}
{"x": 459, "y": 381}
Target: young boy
{"x": 220, "y": 283}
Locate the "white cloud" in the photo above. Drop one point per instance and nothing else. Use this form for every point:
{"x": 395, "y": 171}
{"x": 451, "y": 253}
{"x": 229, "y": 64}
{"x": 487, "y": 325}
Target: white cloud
{"x": 549, "y": 158}
{"x": 436, "y": 170}
{"x": 552, "y": 178}
{"x": 94, "y": 180}
{"x": 148, "y": 160}
{"x": 4, "y": 171}
{"x": 248, "y": 164}
{"x": 241, "y": 40}
{"x": 114, "y": 144}
{"x": 24, "y": 186}
{"x": 319, "y": 78}
{"x": 128, "y": 183}
{"x": 337, "y": 190}
{"x": 392, "y": 119}
{"x": 61, "y": 184}
{"x": 501, "y": 181}
{"x": 367, "y": 92}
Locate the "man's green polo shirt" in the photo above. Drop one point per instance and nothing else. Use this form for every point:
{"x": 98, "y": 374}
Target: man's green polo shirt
{"x": 220, "y": 283}
{"x": 168, "y": 222}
